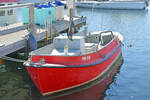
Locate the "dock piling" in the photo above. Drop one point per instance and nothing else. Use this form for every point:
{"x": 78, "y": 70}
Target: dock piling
{"x": 31, "y": 19}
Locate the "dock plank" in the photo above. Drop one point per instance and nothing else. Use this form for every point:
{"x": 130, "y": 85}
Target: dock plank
{"x": 13, "y": 40}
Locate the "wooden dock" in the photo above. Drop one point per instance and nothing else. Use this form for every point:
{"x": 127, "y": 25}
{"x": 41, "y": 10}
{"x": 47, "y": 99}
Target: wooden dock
{"x": 12, "y": 37}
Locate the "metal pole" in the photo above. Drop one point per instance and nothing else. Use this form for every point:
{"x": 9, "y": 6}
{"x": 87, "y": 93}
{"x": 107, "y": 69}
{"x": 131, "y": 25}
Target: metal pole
{"x": 46, "y": 28}
{"x": 51, "y": 30}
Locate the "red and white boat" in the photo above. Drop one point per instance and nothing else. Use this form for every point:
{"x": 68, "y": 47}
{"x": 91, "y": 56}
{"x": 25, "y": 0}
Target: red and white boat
{"x": 66, "y": 64}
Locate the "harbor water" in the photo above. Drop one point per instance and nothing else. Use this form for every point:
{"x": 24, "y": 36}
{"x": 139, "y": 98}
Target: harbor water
{"x": 130, "y": 81}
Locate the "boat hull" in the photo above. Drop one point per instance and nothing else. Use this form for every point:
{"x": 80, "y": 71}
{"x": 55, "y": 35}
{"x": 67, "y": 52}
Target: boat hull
{"x": 92, "y": 91}
{"x": 51, "y": 80}
{"x": 127, "y": 5}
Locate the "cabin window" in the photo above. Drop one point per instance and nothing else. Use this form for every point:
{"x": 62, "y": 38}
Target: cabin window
{"x": 2, "y": 12}
{"x": 10, "y": 12}
{"x": 10, "y": 4}
{"x": 37, "y": 3}
{"x": 2, "y": 4}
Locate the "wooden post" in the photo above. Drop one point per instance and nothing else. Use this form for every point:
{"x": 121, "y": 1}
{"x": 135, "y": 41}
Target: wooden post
{"x": 26, "y": 53}
{"x": 70, "y": 5}
{"x": 70, "y": 18}
{"x": 31, "y": 19}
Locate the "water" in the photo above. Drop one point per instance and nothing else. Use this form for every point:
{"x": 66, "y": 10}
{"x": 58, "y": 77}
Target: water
{"x": 130, "y": 83}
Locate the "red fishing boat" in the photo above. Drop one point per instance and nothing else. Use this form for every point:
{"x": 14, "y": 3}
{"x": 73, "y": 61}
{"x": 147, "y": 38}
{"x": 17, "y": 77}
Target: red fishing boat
{"x": 66, "y": 64}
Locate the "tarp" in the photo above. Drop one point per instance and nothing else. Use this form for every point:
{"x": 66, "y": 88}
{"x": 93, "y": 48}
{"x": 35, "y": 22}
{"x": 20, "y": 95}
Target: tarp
{"x": 32, "y": 42}
{"x": 44, "y": 5}
{"x": 58, "y": 3}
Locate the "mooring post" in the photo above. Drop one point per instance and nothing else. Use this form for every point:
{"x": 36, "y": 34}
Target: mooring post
{"x": 71, "y": 11}
{"x": 70, "y": 5}
{"x": 31, "y": 19}
{"x": 26, "y": 52}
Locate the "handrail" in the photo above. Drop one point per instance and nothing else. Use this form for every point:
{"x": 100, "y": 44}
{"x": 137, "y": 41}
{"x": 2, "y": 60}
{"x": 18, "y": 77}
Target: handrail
{"x": 112, "y": 36}
{"x": 16, "y": 6}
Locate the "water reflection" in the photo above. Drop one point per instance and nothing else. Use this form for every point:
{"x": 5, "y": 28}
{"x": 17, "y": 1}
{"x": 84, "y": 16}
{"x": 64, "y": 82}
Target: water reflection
{"x": 116, "y": 20}
{"x": 14, "y": 81}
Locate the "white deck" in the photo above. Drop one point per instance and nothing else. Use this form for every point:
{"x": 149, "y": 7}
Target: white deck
{"x": 50, "y": 50}
{"x": 76, "y": 47}
{"x": 80, "y": 45}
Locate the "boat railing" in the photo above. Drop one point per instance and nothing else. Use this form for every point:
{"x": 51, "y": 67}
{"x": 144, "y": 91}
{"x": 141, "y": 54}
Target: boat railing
{"x": 105, "y": 37}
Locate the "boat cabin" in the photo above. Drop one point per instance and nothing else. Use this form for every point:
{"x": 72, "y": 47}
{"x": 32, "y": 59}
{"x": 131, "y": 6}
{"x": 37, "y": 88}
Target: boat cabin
{"x": 8, "y": 16}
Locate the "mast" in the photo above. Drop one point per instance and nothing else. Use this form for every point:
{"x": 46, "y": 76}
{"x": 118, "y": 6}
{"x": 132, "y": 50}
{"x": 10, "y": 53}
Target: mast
{"x": 70, "y": 14}
{"x": 70, "y": 32}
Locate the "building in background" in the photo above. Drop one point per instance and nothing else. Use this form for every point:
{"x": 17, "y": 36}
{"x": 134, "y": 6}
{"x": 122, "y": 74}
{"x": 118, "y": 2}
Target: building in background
{"x": 8, "y": 16}
{"x": 34, "y": 1}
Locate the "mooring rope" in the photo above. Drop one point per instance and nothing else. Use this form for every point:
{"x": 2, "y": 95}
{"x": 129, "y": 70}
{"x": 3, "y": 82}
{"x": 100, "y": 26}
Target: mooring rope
{"x": 13, "y": 59}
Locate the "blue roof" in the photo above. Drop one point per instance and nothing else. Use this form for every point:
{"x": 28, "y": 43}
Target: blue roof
{"x": 58, "y": 3}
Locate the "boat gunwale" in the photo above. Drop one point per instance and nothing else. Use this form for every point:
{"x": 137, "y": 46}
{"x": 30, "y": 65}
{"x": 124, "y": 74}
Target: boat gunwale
{"x": 32, "y": 64}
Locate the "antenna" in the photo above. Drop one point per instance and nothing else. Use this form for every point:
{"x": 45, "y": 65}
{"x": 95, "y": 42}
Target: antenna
{"x": 92, "y": 12}
{"x": 101, "y": 27}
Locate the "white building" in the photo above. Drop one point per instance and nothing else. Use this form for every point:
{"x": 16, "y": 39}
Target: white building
{"x": 8, "y": 16}
{"x": 34, "y": 1}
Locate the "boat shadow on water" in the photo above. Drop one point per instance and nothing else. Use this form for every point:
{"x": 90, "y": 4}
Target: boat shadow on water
{"x": 14, "y": 81}
{"x": 94, "y": 90}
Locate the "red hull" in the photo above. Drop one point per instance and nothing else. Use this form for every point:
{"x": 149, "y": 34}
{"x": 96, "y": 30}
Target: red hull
{"x": 92, "y": 91}
{"x": 80, "y": 71}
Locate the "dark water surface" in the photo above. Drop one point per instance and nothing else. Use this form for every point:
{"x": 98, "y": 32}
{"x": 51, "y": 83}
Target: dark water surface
{"x": 132, "y": 82}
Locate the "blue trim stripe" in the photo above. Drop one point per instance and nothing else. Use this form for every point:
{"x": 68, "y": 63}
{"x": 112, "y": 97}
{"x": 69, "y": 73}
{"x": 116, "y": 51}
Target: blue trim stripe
{"x": 77, "y": 66}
